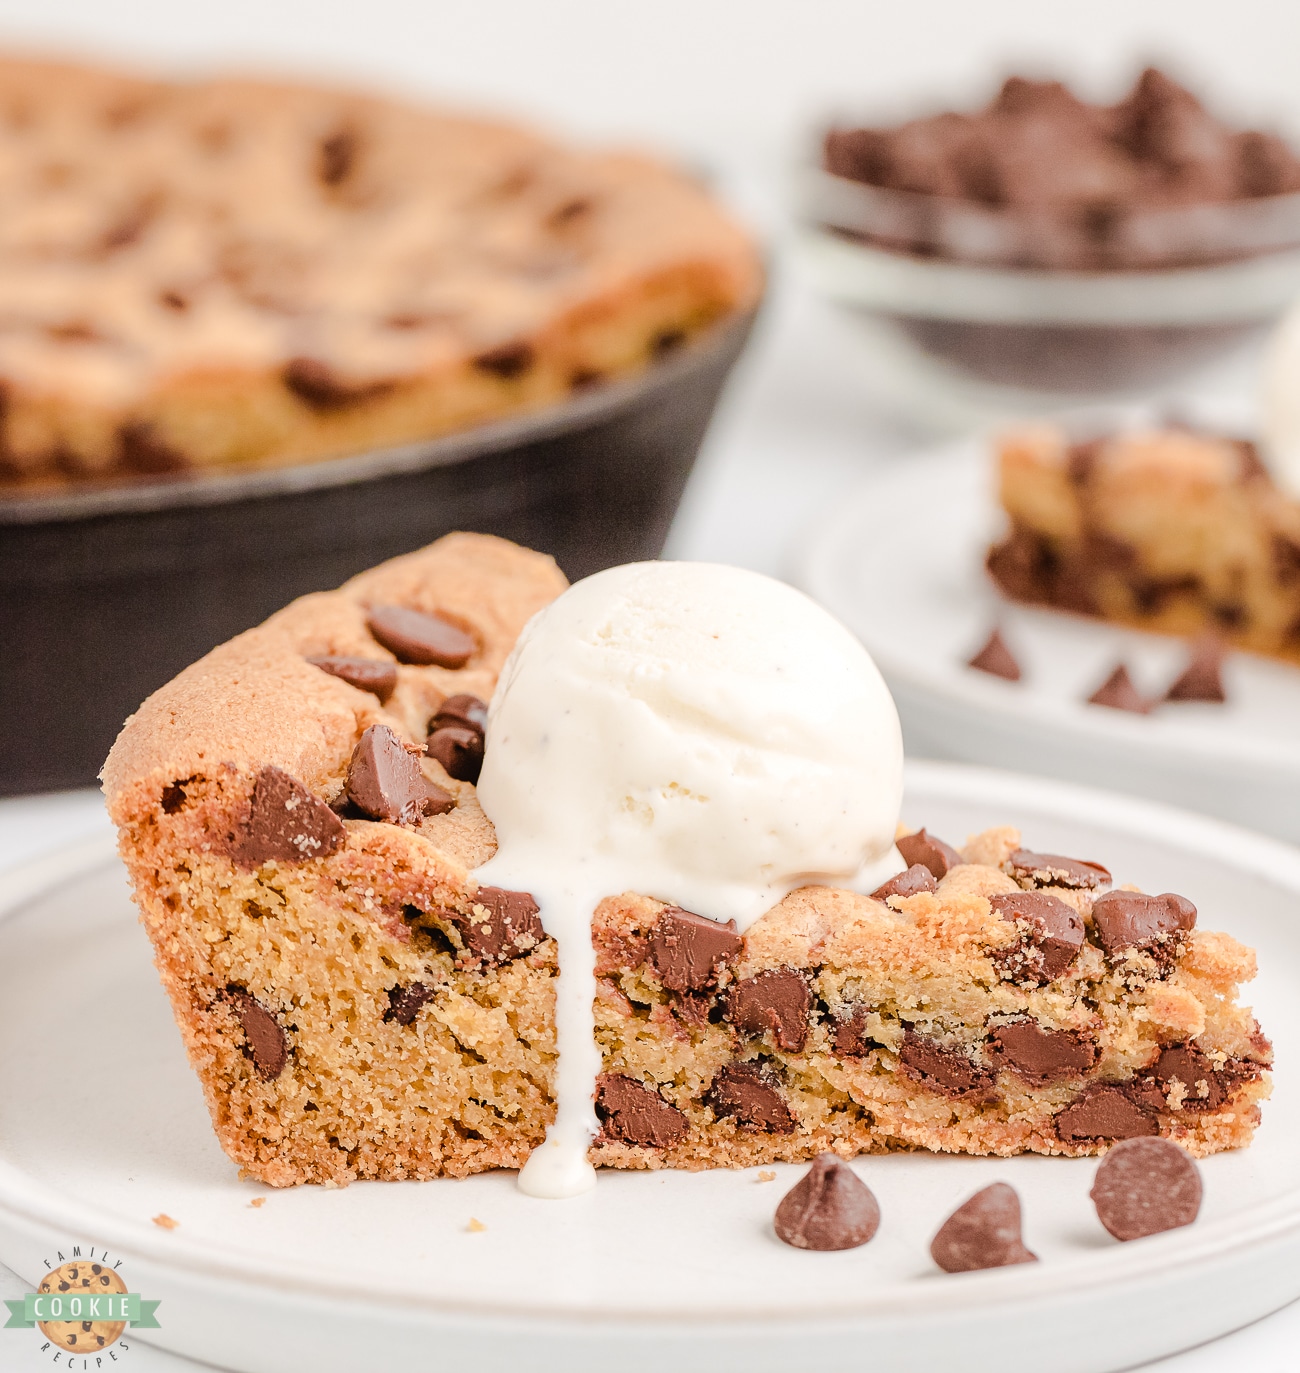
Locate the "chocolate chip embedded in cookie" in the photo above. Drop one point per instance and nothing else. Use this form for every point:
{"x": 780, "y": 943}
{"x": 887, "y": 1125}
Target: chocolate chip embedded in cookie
{"x": 946, "y": 1071}
{"x": 414, "y": 637}
{"x": 1146, "y": 1186}
{"x": 1051, "y": 935}
{"x": 462, "y": 709}
{"x": 284, "y": 823}
{"x": 688, "y": 950}
{"x": 1104, "y": 1111}
{"x": 634, "y": 1113}
{"x": 983, "y": 1232}
{"x": 1040, "y": 1055}
{"x": 749, "y": 1095}
{"x": 776, "y": 1001}
{"x": 917, "y": 878}
{"x": 829, "y": 1208}
{"x": 849, "y": 1034}
{"x": 264, "y": 1039}
{"x": 406, "y": 1002}
{"x": 922, "y": 847}
{"x": 503, "y": 925}
{"x": 366, "y": 674}
{"x": 385, "y": 781}
{"x": 459, "y": 750}
{"x": 1054, "y": 870}
{"x": 1127, "y": 922}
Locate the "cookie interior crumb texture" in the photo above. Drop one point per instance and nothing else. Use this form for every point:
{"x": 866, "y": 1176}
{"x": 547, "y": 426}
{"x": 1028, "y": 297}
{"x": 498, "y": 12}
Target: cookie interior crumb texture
{"x": 356, "y": 1006}
{"x": 237, "y": 273}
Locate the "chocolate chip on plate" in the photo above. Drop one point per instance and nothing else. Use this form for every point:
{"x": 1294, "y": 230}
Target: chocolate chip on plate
{"x": 1053, "y": 869}
{"x": 385, "y": 781}
{"x": 1127, "y": 920}
{"x": 1051, "y": 935}
{"x": 922, "y": 847}
{"x": 687, "y": 950}
{"x": 1144, "y": 1186}
{"x": 406, "y": 1002}
{"x": 749, "y": 1095}
{"x": 415, "y": 637}
{"x": 983, "y": 1232}
{"x": 776, "y": 1000}
{"x": 917, "y": 878}
{"x": 830, "y": 1207}
{"x": 285, "y": 822}
{"x": 1041, "y": 1055}
{"x": 634, "y": 1113}
{"x": 459, "y": 750}
{"x": 1202, "y": 678}
{"x": 462, "y": 709}
{"x": 996, "y": 659}
{"x": 367, "y": 674}
{"x": 1119, "y": 693}
{"x": 265, "y": 1041}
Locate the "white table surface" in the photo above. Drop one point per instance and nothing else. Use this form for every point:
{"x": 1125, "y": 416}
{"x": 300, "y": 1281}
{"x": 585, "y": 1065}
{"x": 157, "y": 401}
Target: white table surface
{"x": 727, "y": 83}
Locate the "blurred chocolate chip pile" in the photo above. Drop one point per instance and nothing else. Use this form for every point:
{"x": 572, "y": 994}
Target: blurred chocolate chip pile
{"x": 1080, "y": 172}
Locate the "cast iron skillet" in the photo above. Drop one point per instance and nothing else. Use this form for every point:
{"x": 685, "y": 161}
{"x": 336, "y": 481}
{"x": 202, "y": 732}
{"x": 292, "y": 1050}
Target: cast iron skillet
{"x": 106, "y": 594}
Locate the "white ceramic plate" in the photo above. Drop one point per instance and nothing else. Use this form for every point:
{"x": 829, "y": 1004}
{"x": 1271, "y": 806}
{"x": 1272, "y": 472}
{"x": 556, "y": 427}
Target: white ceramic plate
{"x": 102, "y": 1126}
{"x": 901, "y": 562}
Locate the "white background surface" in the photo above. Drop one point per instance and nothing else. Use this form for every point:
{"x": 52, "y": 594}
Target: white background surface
{"x": 728, "y": 84}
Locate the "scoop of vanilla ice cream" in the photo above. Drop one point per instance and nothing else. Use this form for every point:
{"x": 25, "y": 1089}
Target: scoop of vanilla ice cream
{"x": 1281, "y": 404}
{"x": 696, "y": 733}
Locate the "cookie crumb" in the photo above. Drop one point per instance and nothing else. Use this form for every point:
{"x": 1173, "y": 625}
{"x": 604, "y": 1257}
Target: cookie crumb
{"x": 163, "y": 1219}
{"x": 765, "y": 1175}
{"x": 475, "y": 1227}
{"x": 258, "y": 1201}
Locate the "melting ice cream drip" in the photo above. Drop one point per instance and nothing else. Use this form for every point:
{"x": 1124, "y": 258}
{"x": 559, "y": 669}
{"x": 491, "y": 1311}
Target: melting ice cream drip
{"x": 699, "y": 734}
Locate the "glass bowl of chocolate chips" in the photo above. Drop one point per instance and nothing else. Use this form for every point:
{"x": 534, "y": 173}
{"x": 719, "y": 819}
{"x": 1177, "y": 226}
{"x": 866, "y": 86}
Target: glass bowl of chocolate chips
{"x": 1048, "y": 250}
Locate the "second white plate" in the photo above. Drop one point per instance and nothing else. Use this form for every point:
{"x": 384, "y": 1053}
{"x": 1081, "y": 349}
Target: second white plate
{"x": 901, "y": 563}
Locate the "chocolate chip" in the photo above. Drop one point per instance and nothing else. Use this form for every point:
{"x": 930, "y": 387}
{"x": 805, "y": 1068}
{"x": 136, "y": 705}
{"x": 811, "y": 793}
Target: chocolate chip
{"x": 1127, "y": 921}
{"x": 173, "y": 796}
{"x": 1051, "y": 935}
{"x": 917, "y": 878}
{"x": 1040, "y": 1055}
{"x": 830, "y": 1207}
{"x": 778, "y": 1001}
{"x": 983, "y": 1232}
{"x": 414, "y": 637}
{"x": 509, "y": 361}
{"x": 503, "y": 925}
{"x": 946, "y": 1071}
{"x": 687, "y": 950}
{"x": 285, "y": 822}
{"x": 1145, "y": 1186}
{"x": 849, "y": 1035}
{"x": 366, "y": 674}
{"x": 1104, "y": 1111}
{"x": 996, "y": 659}
{"x": 318, "y": 385}
{"x": 1202, "y": 678}
{"x": 140, "y": 449}
{"x": 1053, "y": 870}
{"x": 462, "y": 709}
{"x": 634, "y": 1113}
{"x": 405, "y": 1003}
{"x": 1119, "y": 693}
{"x": 922, "y": 847}
{"x": 1206, "y": 1087}
{"x": 459, "y": 750}
{"x": 748, "y": 1093}
{"x": 265, "y": 1042}
{"x": 337, "y": 156}
{"x": 386, "y": 783}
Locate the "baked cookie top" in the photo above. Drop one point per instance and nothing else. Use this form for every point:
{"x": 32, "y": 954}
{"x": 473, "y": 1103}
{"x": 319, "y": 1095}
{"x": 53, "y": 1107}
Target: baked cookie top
{"x": 257, "y": 701}
{"x": 155, "y": 230}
